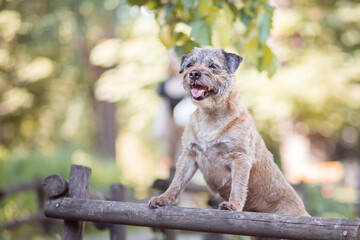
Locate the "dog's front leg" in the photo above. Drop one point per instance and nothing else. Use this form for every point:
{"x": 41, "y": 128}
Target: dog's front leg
{"x": 185, "y": 169}
{"x": 240, "y": 173}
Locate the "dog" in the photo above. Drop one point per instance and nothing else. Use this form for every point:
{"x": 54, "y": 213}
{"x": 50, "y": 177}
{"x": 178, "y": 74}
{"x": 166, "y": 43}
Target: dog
{"x": 222, "y": 141}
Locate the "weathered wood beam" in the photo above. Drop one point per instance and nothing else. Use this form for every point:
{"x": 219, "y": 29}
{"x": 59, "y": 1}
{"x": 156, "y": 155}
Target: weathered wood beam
{"x": 55, "y": 186}
{"x": 79, "y": 183}
{"x": 203, "y": 220}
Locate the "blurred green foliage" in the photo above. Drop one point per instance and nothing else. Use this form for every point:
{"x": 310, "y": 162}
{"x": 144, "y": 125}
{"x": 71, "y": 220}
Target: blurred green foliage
{"x": 194, "y": 23}
{"x": 317, "y": 205}
{"x": 318, "y": 84}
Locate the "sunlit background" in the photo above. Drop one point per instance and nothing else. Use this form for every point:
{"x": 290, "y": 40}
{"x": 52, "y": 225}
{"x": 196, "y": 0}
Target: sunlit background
{"x": 80, "y": 83}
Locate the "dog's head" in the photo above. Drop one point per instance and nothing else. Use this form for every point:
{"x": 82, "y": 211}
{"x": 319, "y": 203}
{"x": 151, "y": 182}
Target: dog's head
{"x": 208, "y": 73}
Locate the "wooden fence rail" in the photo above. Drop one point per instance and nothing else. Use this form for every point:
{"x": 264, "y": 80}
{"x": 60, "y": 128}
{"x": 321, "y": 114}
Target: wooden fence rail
{"x": 202, "y": 220}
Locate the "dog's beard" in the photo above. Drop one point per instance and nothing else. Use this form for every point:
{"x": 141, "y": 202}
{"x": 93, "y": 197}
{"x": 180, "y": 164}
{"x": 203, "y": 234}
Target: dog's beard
{"x": 223, "y": 88}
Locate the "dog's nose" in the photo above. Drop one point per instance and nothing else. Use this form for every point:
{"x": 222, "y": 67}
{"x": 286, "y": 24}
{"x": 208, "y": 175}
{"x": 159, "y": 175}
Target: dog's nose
{"x": 195, "y": 75}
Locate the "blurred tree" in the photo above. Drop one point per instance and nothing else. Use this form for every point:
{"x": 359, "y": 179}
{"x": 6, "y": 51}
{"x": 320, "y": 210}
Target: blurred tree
{"x": 319, "y": 44}
{"x": 104, "y": 112}
{"x": 315, "y": 95}
{"x": 46, "y": 75}
{"x": 187, "y": 24}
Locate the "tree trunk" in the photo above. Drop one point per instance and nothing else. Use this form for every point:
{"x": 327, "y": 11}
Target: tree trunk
{"x": 104, "y": 113}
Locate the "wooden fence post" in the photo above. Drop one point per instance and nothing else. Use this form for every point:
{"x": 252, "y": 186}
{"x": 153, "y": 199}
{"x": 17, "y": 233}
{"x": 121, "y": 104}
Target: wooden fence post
{"x": 118, "y": 193}
{"x": 169, "y": 234}
{"x": 79, "y": 182}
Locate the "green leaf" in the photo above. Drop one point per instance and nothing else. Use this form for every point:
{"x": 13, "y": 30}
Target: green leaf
{"x": 221, "y": 33}
{"x": 201, "y": 32}
{"x": 264, "y": 26}
{"x": 251, "y": 50}
{"x": 268, "y": 61}
{"x": 204, "y": 7}
{"x": 181, "y": 38}
{"x": 189, "y": 45}
{"x": 228, "y": 14}
{"x": 213, "y": 9}
{"x": 166, "y": 36}
{"x": 152, "y": 5}
{"x": 245, "y": 18}
{"x": 186, "y": 48}
{"x": 169, "y": 12}
{"x": 250, "y": 8}
{"x": 179, "y": 50}
{"x": 188, "y": 3}
{"x": 137, "y": 2}
{"x": 210, "y": 19}
{"x": 267, "y": 7}
{"x": 233, "y": 9}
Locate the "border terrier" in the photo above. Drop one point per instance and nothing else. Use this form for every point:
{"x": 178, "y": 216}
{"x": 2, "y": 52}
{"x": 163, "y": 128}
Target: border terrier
{"x": 222, "y": 141}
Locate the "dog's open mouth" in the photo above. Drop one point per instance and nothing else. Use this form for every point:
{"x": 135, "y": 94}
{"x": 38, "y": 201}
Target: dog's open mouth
{"x": 199, "y": 92}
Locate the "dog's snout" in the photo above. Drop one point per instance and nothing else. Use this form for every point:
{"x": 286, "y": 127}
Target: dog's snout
{"x": 195, "y": 75}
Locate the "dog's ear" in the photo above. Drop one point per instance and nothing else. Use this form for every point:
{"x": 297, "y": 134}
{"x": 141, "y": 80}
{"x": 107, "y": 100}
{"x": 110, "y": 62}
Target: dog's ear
{"x": 232, "y": 61}
{"x": 182, "y": 64}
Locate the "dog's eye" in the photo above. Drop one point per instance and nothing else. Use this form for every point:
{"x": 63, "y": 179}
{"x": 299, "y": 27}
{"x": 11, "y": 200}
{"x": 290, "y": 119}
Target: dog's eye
{"x": 189, "y": 65}
{"x": 213, "y": 66}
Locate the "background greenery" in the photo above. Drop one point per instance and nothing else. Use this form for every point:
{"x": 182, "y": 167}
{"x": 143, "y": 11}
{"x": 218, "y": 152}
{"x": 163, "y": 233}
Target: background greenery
{"x": 78, "y": 82}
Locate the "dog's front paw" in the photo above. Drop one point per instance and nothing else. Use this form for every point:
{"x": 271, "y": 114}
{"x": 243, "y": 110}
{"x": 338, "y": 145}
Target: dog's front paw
{"x": 229, "y": 206}
{"x": 160, "y": 201}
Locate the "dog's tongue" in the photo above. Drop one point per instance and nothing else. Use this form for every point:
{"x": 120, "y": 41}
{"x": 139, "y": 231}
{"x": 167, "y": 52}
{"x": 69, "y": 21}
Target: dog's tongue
{"x": 197, "y": 92}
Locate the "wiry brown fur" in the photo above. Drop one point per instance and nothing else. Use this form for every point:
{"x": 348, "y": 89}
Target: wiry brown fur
{"x": 222, "y": 141}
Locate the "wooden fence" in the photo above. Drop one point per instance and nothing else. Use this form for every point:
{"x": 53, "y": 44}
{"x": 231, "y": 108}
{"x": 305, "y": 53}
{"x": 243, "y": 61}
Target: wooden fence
{"x": 75, "y": 209}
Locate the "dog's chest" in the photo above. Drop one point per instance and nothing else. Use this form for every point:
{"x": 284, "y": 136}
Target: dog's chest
{"x": 214, "y": 161}
{"x": 212, "y": 151}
